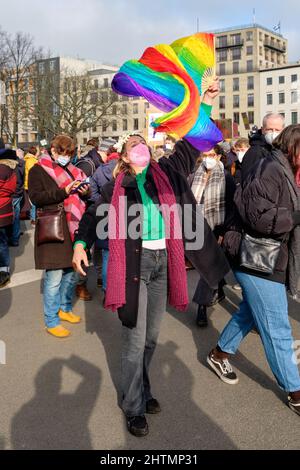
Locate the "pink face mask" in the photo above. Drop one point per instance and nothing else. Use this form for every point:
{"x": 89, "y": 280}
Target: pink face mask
{"x": 139, "y": 155}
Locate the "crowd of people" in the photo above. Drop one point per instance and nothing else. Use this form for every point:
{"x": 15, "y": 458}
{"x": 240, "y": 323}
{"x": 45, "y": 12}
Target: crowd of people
{"x": 247, "y": 198}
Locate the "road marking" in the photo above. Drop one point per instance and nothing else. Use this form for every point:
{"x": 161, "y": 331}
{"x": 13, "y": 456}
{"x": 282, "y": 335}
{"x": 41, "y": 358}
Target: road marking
{"x": 24, "y": 277}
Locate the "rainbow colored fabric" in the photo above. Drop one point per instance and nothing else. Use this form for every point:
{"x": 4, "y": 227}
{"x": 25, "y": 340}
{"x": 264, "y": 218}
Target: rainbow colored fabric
{"x": 172, "y": 78}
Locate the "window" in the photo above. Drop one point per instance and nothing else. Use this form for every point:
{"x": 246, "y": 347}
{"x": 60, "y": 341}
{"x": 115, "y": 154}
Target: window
{"x": 96, "y": 84}
{"x": 222, "y": 56}
{"x": 236, "y": 117}
{"x": 260, "y": 36}
{"x": 222, "y": 41}
{"x": 135, "y": 108}
{"x": 106, "y": 83}
{"x": 294, "y": 96}
{"x": 261, "y": 51}
{"x": 251, "y": 117}
{"x": 105, "y": 97}
{"x": 249, "y": 65}
{"x": 125, "y": 125}
{"x": 236, "y": 84}
{"x": 269, "y": 81}
{"x": 249, "y": 50}
{"x": 114, "y": 109}
{"x": 95, "y": 129}
{"x": 94, "y": 98}
{"x": 294, "y": 117}
{"x": 135, "y": 124}
{"x": 236, "y": 39}
{"x": 222, "y": 116}
{"x": 249, "y": 36}
{"x": 250, "y": 83}
{"x": 52, "y": 65}
{"x": 124, "y": 109}
{"x": 283, "y": 115}
{"x": 41, "y": 67}
{"x": 222, "y": 69}
{"x": 85, "y": 140}
{"x": 294, "y": 78}
{"x": 236, "y": 54}
{"x": 281, "y": 98}
{"x": 281, "y": 80}
{"x": 33, "y": 98}
{"x": 269, "y": 98}
{"x": 146, "y": 106}
{"x": 236, "y": 101}
{"x": 222, "y": 102}
{"x": 114, "y": 126}
{"x": 222, "y": 86}
{"x": 250, "y": 100}
{"x": 235, "y": 67}
{"x": 104, "y": 126}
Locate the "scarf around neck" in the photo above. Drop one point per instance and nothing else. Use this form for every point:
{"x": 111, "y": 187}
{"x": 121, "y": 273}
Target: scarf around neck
{"x": 213, "y": 190}
{"x": 116, "y": 272}
{"x": 74, "y": 207}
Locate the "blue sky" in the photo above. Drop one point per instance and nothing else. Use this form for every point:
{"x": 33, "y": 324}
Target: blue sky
{"x": 113, "y": 31}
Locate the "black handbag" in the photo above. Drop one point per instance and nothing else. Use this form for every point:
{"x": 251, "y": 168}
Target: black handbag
{"x": 50, "y": 225}
{"x": 259, "y": 254}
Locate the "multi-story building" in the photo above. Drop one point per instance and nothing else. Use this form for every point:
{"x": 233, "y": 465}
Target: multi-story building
{"x": 280, "y": 92}
{"x": 241, "y": 53}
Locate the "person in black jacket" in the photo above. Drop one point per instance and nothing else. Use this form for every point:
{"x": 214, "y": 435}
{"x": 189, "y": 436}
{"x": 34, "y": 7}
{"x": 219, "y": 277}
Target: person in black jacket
{"x": 213, "y": 188}
{"x": 268, "y": 204}
{"x": 147, "y": 271}
{"x": 261, "y": 142}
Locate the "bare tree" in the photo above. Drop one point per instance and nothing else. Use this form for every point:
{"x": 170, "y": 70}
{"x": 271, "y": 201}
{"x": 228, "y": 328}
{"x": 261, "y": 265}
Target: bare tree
{"x": 20, "y": 56}
{"x": 69, "y": 103}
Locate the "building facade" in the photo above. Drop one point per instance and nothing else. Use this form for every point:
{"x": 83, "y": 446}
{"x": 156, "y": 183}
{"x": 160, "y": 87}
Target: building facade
{"x": 240, "y": 54}
{"x": 280, "y": 92}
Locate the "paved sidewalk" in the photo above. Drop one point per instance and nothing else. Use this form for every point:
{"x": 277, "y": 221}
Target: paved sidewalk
{"x": 61, "y": 394}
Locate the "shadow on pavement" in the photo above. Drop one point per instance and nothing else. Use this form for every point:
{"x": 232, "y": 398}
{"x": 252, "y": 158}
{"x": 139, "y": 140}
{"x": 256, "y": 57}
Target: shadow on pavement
{"x": 181, "y": 423}
{"x": 53, "y": 420}
{"x": 207, "y": 338}
{"x": 172, "y": 385}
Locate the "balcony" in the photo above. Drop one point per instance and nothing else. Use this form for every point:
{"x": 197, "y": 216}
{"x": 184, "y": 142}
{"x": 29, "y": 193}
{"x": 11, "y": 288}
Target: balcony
{"x": 275, "y": 47}
{"x": 230, "y": 45}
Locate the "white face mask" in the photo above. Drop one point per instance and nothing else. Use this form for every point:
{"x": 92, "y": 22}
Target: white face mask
{"x": 241, "y": 155}
{"x": 271, "y": 136}
{"x": 209, "y": 162}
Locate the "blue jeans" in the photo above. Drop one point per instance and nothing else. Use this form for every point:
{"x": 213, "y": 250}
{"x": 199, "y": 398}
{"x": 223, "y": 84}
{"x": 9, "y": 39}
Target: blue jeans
{"x": 4, "y": 250}
{"x": 105, "y": 254}
{"x": 15, "y": 235}
{"x": 138, "y": 344}
{"x": 59, "y": 288}
{"x": 32, "y": 211}
{"x": 265, "y": 306}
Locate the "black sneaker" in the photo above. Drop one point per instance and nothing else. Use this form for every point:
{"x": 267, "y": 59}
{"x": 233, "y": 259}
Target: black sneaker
{"x": 137, "y": 425}
{"x": 294, "y": 405}
{"x": 153, "y": 407}
{"x": 4, "y": 278}
{"x": 202, "y": 317}
{"x": 223, "y": 369}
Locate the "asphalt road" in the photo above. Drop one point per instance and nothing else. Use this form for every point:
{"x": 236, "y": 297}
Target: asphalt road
{"x": 61, "y": 394}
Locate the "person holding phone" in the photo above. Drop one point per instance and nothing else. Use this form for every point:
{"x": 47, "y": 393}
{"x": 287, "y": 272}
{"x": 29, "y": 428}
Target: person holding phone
{"x": 51, "y": 184}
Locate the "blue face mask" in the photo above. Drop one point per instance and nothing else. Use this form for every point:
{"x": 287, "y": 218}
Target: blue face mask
{"x": 63, "y": 161}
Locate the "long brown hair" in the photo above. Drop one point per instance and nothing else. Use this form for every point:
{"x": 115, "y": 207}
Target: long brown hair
{"x": 288, "y": 142}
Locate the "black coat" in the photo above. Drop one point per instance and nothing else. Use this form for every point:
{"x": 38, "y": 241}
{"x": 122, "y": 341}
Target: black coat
{"x": 259, "y": 149}
{"x": 209, "y": 260}
{"x": 265, "y": 209}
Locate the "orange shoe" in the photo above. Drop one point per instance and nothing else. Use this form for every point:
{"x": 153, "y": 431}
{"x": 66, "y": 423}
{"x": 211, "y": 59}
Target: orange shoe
{"x": 59, "y": 331}
{"x": 69, "y": 316}
{"x": 82, "y": 293}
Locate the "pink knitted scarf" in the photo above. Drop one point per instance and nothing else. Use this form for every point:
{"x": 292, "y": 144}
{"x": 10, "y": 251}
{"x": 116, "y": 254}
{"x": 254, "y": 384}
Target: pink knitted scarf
{"x": 116, "y": 273}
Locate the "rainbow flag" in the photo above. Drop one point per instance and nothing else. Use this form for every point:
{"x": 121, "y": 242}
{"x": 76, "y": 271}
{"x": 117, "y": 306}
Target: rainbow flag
{"x": 173, "y": 78}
